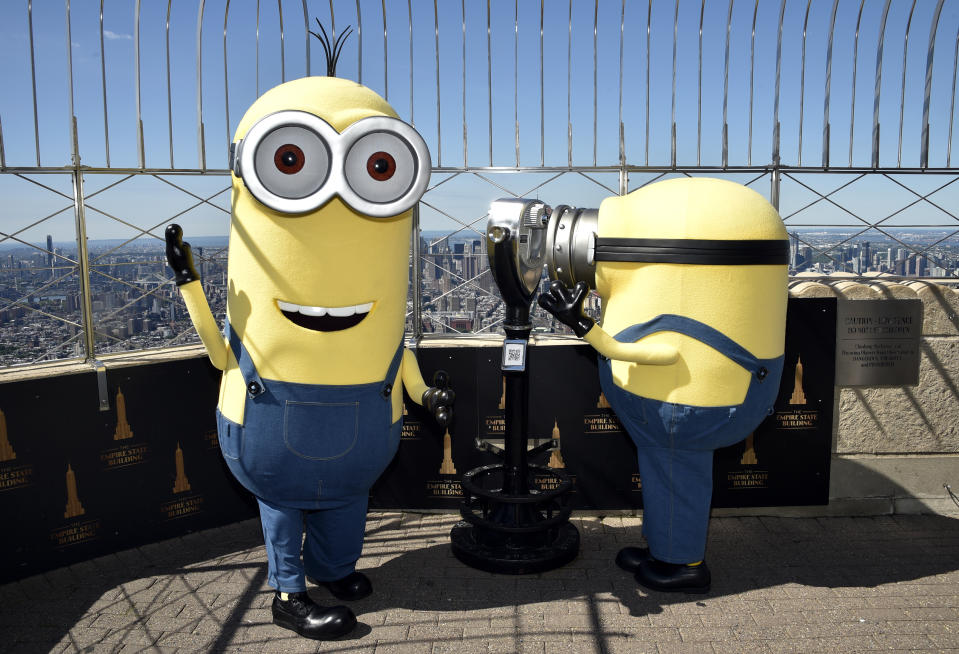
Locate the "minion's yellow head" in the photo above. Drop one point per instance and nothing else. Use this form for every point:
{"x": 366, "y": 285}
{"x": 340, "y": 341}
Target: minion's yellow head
{"x": 324, "y": 179}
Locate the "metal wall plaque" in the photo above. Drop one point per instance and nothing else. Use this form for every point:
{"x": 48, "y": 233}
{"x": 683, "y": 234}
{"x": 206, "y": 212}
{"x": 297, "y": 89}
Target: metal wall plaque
{"x": 877, "y": 342}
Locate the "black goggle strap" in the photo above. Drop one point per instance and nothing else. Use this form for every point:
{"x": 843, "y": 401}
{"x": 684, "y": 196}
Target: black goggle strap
{"x": 693, "y": 251}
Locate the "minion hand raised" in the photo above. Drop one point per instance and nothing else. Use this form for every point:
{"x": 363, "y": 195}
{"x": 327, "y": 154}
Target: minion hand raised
{"x": 180, "y": 256}
{"x": 438, "y": 399}
{"x": 567, "y": 305}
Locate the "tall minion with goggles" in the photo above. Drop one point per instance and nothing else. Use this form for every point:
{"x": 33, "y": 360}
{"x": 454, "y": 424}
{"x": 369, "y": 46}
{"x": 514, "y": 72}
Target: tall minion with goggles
{"x": 310, "y": 408}
{"x": 693, "y": 280}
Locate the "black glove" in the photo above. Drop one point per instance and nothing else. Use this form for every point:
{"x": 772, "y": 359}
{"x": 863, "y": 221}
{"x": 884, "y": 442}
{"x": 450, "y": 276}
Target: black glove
{"x": 438, "y": 399}
{"x": 567, "y": 305}
{"x": 180, "y": 256}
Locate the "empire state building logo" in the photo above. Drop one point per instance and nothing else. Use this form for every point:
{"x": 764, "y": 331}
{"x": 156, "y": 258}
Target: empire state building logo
{"x": 74, "y": 508}
{"x": 181, "y": 484}
{"x": 447, "y": 467}
{"x": 556, "y": 460}
{"x": 798, "y": 396}
{"x": 123, "y": 431}
{"x": 6, "y": 450}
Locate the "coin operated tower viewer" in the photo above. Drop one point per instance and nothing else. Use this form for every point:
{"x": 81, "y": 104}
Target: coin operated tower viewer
{"x": 509, "y": 526}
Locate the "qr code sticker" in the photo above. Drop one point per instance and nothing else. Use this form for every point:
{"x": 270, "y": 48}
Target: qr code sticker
{"x": 514, "y": 356}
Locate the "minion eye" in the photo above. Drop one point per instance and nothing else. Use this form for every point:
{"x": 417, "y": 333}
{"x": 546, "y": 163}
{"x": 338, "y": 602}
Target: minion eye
{"x": 381, "y": 167}
{"x": 292, "y": 162}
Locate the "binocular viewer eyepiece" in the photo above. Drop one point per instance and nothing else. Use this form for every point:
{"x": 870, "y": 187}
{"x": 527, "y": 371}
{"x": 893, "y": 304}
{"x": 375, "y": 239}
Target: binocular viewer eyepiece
{"x": 523, "y": 236}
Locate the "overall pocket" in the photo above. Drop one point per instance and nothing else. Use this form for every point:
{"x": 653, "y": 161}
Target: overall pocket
{"x": 320, "y": 431}
{"x": 230, "y": 436}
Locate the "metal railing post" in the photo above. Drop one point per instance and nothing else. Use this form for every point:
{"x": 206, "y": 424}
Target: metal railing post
{"x": 417, "y": 277}
{"x": 83, "y": 258}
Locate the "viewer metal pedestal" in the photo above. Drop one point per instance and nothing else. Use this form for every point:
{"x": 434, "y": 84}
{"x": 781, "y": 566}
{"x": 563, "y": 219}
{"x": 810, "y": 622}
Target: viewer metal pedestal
{"x": 508, "y": 526}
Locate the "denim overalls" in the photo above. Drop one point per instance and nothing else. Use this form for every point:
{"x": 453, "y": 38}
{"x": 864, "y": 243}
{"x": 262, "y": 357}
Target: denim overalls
{"x": 314, "y": 450}
{"x": 675, "y": 442}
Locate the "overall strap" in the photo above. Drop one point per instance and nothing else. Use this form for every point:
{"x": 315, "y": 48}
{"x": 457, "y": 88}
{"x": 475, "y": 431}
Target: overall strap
{"x": 668, "y": 322}
{"x": 254, "y": 385}
{"x": 393, "y": 370}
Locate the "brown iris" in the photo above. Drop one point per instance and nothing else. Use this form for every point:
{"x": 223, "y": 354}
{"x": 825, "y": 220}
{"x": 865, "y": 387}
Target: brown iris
{"x": 381, "y": 166}
{"x": 289, "y": 159}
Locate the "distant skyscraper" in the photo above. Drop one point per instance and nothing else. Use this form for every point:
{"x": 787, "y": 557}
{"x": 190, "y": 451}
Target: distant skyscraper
{"x": 793, "y": 250}
{"x": 50, "y": 256}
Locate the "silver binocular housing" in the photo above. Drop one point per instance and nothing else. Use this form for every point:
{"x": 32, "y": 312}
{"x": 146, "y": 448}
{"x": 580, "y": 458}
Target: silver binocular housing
{"x": 561, "y": 238}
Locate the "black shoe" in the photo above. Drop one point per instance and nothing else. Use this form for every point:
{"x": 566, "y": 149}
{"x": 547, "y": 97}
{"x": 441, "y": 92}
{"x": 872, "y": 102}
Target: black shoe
{"x": 301, "y": 614}
{"x": 352, "y": 587}
{"x": 674, "y": 577}
{"x": 629, "y": 558}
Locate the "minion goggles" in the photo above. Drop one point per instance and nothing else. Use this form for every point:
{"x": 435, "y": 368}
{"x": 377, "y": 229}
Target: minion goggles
{"x": 295, "y": 162}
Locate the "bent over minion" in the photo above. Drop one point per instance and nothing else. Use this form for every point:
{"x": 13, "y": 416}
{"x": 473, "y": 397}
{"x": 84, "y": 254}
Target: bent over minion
{"x": 692, "y": 276}
{"x": 310, "y": 408}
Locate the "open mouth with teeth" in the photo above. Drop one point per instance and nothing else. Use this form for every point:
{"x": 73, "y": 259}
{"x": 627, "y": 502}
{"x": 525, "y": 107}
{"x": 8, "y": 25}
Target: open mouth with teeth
{"x": 324, "y": 319}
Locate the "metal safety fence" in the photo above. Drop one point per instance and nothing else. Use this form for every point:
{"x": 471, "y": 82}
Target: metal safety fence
{"x": 116, "y": 119}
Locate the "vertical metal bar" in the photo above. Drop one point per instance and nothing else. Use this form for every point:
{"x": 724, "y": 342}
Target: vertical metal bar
{"x": 201, "y": 146}
{"x": 902, "y": 99}
{"x": 465, "y": 152}
{"x": 83, "y": 258}
{"x": 141, "y": 158}
{"x": 169, "y": 94}
{"x": 855, "y": 61}
{"x": 489, "y": 79}
{"x": 78, "y": 208}
{"x": 672, "y": 115}
{"x": 386, "y": 57}
{"x": 359, "y": 41}
{"x": 73, "y": 117}
{"x": 595, "y": 77}
{"x": 439, "y": 118}
{"x": 775, "y": 183}
{"x": 649, "y": 18}
{"x": 828, "y": 95}
{"x": 279, "y": 8}
{"x": 729, "y": 27}
{"x": 542, "y": 91}
{"x": 623, "y": 184}
{"x": 802, "y": 80}
{"x": 417, "y": 275}
{"x": 409, "y": 15}
{"x": 924, "y": 138}
{"x": 779, "y": 59}
{"x": 516, "y": 77}
{"x": 952, "y": 102}
{"x": 878, "y": 87}
{"x": 332, "y": 18}
{"x": 306, "y": 34}
{"x": 569, "y": 90}
{"x": 752, "y": 73}
{"x": 257, "y": 48}
{"x": 3, "y": 157}
{"x": 33, "y": 79}
{"x": 699, "y": 94}
{"x": 103, "y": 81}
{"x": 226, "y": 76}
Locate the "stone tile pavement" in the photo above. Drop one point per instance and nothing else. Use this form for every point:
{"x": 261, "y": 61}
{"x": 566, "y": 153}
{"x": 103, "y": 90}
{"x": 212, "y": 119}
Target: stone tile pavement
{"x": 779, "y": 585}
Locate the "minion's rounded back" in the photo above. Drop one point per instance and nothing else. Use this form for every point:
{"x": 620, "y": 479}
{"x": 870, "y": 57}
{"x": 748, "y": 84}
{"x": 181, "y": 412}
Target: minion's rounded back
{"x": 745, "y": 302}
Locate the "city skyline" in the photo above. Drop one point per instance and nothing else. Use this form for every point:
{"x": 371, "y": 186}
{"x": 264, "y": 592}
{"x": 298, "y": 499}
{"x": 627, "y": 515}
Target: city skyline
{"x": 135, "y": 304}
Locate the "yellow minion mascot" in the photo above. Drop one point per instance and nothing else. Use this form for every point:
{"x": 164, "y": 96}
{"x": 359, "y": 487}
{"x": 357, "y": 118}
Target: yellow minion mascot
{"x": 310, "y": 409}
{"x": 692, "y": 276}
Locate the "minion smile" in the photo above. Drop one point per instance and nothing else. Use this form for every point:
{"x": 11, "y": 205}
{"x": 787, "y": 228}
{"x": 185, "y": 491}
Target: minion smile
{"x": 324, "y": 319}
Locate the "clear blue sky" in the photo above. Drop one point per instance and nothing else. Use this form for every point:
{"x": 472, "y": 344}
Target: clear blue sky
{"x": 569, "y": 91}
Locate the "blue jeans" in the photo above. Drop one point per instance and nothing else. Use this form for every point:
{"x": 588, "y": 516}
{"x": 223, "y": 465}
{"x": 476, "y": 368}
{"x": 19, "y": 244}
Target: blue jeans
{"x": 310, "y": 453}
{"x": 675, "y": 442}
